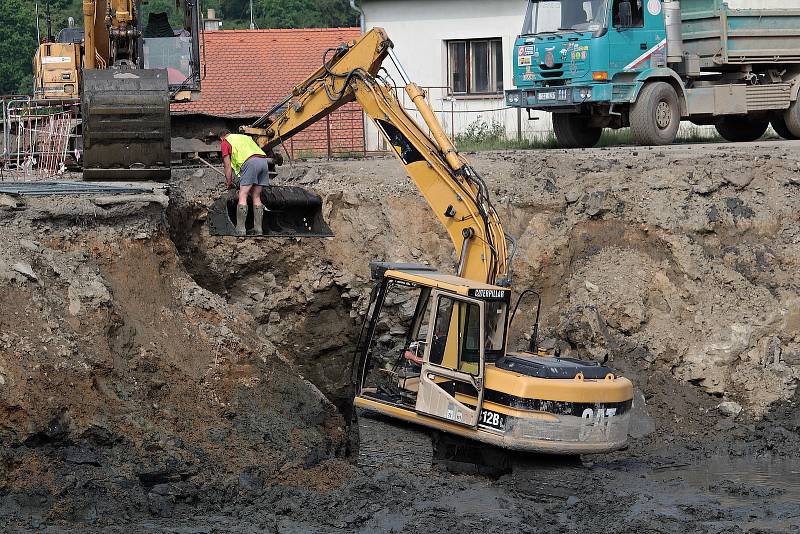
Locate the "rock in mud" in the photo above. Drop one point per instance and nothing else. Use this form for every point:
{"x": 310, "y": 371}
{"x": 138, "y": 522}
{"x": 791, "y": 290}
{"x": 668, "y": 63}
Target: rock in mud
{"x": 25, "y": 269}
{"x": 729, "y": 408}
{"x": 740, "y": 179}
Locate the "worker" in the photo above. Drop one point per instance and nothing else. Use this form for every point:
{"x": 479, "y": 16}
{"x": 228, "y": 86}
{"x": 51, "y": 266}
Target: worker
{"x": 411, "y": 354}
{"x": 242, "y": 156}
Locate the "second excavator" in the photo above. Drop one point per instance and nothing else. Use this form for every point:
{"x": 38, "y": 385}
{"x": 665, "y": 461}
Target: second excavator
{"x": 453, "y": 372}
{"x": 126, "y": 70}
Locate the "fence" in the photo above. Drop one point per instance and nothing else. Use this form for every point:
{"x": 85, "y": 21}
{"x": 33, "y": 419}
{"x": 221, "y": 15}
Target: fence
{"x": 340, "y": 134}
{"x": 472, "y": 118}
{"x": 462, "y": 115}
{"x": 38, "y": 137}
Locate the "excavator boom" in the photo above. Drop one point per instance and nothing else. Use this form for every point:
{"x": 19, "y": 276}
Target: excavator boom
{"x": 453, "y": 189}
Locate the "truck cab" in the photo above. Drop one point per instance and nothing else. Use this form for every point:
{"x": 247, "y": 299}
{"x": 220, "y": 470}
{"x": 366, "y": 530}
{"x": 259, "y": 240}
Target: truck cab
{"x": 581, "y": 57}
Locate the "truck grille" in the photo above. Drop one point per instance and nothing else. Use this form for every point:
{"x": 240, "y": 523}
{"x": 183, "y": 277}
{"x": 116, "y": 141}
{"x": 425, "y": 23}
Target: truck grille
{"x": 556, "y": 71}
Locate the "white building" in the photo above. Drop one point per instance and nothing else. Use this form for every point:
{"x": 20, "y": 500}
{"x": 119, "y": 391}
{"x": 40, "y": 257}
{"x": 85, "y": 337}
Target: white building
{"x": 461, "y": 51}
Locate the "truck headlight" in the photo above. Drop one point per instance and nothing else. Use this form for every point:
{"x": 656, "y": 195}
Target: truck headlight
{"x": 585, "y": 93}
{"x": 513, "y": 98}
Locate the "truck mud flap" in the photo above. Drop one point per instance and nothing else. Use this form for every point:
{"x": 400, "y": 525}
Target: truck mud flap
{"x": 126, "y": 124}
{"x": 291, "y": 212}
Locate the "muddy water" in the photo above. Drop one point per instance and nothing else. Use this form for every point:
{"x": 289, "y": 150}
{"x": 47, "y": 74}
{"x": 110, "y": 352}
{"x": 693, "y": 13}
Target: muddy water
{"x": 741, "y": 478}
{"x": 756, "y": 493}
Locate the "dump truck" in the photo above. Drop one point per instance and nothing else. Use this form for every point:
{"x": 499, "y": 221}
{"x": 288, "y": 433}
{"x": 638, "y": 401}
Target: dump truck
{"x": 648, "y": 64}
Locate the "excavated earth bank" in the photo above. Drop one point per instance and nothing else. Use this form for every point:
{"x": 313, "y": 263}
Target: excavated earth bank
{"x": 154, "y": 378}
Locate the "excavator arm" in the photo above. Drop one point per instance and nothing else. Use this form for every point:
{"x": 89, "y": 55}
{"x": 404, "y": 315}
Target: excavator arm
{"x": 453, "y": 189}
{"x": 460, "y": 200}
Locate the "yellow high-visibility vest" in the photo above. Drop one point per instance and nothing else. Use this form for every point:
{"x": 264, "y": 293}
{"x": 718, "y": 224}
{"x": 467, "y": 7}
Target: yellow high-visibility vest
{"x": 242, "y": 147}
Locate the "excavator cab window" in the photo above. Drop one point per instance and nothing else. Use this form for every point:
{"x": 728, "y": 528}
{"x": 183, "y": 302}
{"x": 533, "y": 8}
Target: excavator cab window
{"x": 171, "y": 42}
{"x": 469, "y": 353}
{"x": 398, "y": 327}
{"x": 461, "y": 320}
{"x": 496, "y": 319}
{"x": 456, "y": 340}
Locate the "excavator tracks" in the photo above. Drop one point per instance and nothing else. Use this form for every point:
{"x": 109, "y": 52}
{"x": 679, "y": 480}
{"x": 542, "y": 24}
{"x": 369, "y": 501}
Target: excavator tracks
{"x": 383, "y": 444}
{"x": 388, "y": 444}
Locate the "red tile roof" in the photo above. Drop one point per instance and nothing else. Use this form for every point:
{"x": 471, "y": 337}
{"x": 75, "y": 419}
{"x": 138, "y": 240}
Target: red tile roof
{"x": 247, "y": 72}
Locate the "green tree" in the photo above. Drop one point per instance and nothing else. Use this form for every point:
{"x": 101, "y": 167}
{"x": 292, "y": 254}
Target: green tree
{"x": 18, "y": 25}
{"x": 305, "y": 14}
{"x": 17, "y": 46}
{"x": 162, "y": 6}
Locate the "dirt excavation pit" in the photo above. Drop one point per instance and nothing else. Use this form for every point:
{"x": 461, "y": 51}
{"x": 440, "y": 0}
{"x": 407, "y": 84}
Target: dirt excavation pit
{"x": 155, "y": 378}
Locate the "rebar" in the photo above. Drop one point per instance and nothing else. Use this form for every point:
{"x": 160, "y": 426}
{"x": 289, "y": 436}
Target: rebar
{"x": 62, "y": 188}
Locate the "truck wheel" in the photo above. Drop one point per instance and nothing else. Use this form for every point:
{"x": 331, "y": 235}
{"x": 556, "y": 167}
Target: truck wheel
{"x": 656, "y": 116}
{"x": 792, "y": 119}
{"x": 740, "y": 129}
{"x": 780, "y": 127}
{"x": 573, "y": 131}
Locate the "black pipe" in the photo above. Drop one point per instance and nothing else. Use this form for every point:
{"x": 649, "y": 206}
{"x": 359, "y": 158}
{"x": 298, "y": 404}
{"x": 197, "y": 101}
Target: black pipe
{"x": 534, "y": 344}
{"x": 535, "y": 336}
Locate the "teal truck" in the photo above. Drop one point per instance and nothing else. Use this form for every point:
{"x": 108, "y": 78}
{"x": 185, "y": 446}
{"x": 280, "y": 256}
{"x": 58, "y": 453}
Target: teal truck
{"x": 648, "y": 64}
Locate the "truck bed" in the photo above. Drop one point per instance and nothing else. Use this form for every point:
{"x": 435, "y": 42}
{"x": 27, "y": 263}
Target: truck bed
{"x": 723, "y": 35}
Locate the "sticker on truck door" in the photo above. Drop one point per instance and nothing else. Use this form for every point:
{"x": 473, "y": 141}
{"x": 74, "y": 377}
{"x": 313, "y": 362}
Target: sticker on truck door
{"x": 654, "y": 7}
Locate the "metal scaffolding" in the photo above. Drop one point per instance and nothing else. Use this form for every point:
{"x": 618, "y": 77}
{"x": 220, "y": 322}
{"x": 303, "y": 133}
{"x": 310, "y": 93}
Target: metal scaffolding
{"x": 39, "y": 138}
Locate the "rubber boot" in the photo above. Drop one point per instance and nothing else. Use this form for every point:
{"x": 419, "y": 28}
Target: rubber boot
{"x": 258, "y": 220}
{"x": 241, "y": 218}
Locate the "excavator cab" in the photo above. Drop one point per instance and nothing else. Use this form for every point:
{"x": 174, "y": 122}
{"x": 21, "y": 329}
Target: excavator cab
{"x": 451, "y": 328}
{"x": 433, "y": 351}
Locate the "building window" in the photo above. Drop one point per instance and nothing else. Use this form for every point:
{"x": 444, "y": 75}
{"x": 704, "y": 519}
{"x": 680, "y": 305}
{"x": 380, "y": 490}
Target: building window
{"x": 475, "y": 66}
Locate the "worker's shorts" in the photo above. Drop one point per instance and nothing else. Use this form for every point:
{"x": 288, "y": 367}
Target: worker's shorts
{"x": 255, "y": 171}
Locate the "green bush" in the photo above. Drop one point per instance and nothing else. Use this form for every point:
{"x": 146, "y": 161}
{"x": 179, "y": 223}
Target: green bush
{"x": 479, "y": 132}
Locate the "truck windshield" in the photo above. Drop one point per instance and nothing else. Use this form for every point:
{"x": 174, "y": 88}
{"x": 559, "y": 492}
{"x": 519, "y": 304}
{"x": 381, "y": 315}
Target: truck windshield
{"x": 552, "y": 16}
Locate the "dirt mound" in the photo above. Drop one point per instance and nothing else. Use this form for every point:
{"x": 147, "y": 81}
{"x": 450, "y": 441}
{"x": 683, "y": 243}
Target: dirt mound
{"x": 126, "y": 387}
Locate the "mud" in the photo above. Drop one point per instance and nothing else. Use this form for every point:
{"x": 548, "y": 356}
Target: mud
{"x": 155, "y": 378}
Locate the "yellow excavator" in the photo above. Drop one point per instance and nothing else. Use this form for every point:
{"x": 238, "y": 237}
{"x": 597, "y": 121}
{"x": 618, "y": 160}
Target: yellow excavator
{"x": 126, "y": 71}
{"x": 453, "y": 372}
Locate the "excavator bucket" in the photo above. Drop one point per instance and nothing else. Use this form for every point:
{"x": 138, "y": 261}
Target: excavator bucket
{"x": 126, "y": 128}
{"x": 291, "y": 212}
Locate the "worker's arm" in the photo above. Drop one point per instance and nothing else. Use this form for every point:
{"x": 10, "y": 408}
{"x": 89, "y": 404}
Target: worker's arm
{"x": 455, "y": 192}
{"x": 226, "y": 161}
